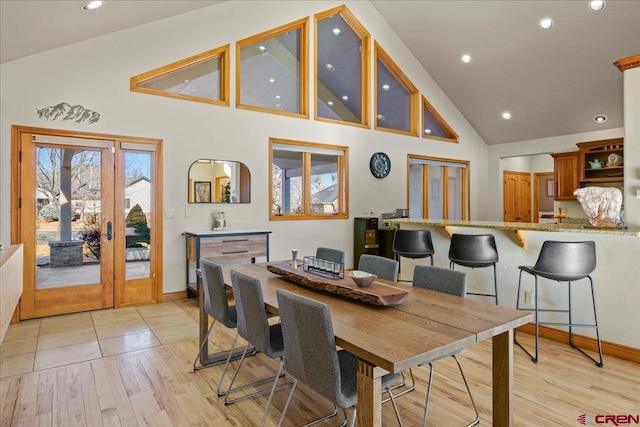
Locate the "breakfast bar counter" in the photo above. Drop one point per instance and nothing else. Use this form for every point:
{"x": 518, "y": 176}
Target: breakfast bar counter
{"x": 616, "y": 277}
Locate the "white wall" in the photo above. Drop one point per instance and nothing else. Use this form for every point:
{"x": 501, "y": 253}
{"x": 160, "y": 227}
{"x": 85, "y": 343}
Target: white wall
{"x": 96, "y": 73}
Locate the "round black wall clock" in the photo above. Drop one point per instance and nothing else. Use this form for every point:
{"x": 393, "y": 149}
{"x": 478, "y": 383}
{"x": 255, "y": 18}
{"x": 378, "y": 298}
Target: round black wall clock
{"x": 380, "y": 165}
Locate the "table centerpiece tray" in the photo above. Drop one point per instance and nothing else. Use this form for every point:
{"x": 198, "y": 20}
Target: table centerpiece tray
{"x": 377, "y": 293}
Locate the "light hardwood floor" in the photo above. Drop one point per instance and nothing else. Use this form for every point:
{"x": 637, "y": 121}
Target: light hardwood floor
{"x": 156, "y": 386}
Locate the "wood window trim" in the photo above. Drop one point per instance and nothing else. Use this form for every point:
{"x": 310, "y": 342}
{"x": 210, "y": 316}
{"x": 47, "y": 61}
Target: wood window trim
{"x": 381, "y": 54}
{"x": 222, "y": 52}
{"x": 365, "y": 38}
{"x": 465, "y": 190}
{"x": 302, "y": 25}
{"x": 427, "y": 107}
{"x": 343, "y": 179}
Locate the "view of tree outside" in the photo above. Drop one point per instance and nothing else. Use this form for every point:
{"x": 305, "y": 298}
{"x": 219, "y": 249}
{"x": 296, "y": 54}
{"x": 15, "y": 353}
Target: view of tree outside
{"x": 85, "y": 179}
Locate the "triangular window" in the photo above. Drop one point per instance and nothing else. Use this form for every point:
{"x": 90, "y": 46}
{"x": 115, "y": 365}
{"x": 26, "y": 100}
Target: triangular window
{"x": 396, "y": 97}
{"x": 342, "y": 71}
{"x": 271, "y": 70}
{"x": 434, "y": 126}
{"x": 203, "y": 78}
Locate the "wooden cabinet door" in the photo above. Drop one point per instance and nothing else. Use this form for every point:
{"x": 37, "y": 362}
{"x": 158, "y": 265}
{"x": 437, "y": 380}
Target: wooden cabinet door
{"x": 565, "y": 169}
{"x": 517, "y": 197}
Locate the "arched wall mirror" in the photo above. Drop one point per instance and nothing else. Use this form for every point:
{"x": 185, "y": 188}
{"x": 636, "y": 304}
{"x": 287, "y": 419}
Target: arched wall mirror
{"x": 219, "y": 181}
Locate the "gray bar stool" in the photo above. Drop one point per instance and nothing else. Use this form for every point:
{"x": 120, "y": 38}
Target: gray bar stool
{"x": 563, "y": 262}
{"x": 413, "y": 244}
{"x": 475, "y": 251}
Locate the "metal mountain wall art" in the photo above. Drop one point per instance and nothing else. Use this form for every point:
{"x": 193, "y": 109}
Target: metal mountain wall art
{"x": 65, "y": 111}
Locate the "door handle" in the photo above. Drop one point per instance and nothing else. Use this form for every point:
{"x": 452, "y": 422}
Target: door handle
{"x": 109, "y": 230}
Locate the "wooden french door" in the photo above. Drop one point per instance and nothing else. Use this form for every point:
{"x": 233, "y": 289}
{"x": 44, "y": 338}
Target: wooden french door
{"x": 517, "y": 196}
{"x": 86, "y": 209}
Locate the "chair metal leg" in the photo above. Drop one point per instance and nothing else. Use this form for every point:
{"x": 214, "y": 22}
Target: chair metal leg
{"x": 515, "y": 340}
{"x": 411, "y": 388}
{"x": 473, "y": 403}
{"x": 599, "y": 363}
{"x": 331, "y": 415}
{"x": 204, "y": 342}
{"x": 426, "y": 403}
{"x": 495, "y": 283}
{"x": 273, "y": 390}
{"x": 226, "y": 365}
{"x": 393, "y": 402}
{"x": 452, "y": 266}
{"x": 230, "y": 390}
{"x": 286, "y": 406}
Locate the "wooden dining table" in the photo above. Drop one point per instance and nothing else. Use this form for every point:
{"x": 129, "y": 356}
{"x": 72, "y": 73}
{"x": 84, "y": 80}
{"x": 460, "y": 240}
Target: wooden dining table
{"x": 425, "y": 326}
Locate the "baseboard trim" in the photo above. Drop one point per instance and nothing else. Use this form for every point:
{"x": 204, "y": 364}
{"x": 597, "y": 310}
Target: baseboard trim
{"x": 174, "y": 296}
{"x": 611, "y": 349}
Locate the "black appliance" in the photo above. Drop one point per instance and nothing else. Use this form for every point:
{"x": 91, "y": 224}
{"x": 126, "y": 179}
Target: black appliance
{"x": 365, "y": 238}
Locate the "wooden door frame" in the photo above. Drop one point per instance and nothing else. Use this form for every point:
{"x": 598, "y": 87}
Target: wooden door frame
{"x": 536, "y": 193}
{"x": 16, "y": 197}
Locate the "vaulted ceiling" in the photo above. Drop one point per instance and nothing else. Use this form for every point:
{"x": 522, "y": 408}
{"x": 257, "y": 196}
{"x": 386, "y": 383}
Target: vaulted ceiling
{"x": 552, "y": 82}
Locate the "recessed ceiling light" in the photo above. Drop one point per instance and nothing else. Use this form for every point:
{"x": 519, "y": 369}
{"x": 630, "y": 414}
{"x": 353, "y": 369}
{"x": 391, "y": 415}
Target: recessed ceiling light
{"x": 336, "y": 31}
{"x": 91, "y": 5}
{"x": 345, "y": 98}
{"x": 386, "y": 87}
{"x": 506, "y": 115}
{"x": 262, "y": 48}
{"x": 272, "y": 80}
{"x": 381, "y": 117}
{"x": 597, "y": 5}
{"x": 466, "y": 58}
{"x": 600, "y": 118}
{"x": 428, "y": 131}
{"x": 277, "y": 96}
{"x": 546, "y": 23}
{"x": 330, "y": 67}
{"x": 186, "y": 81}
{"x": 330, "y": 103}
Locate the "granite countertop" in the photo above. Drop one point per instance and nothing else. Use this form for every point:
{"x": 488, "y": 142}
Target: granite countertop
{"x": 522, "y": 226}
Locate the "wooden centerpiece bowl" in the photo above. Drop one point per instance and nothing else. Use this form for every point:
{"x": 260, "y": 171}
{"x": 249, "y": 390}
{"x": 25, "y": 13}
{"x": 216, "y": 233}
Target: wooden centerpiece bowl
{"x": 362, "y": 278}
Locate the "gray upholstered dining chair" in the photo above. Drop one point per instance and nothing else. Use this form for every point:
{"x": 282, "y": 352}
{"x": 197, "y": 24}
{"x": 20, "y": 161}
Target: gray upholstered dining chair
{"x": 330, "y": 254}
{"x": 254, "y": 327}
{"x": 311, "y": 357}
{"x": 450, "y": 282}
{"x": 384, "y": 268}
{"x": 217, "y": 306}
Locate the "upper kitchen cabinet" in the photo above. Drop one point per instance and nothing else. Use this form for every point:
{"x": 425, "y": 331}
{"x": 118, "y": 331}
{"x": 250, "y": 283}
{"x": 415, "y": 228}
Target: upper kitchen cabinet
{"x": 601, "y": 161}
{"x": 565, "y": 175}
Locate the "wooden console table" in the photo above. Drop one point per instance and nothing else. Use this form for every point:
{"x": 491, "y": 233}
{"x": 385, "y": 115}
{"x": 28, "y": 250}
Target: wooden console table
{"x": 227, "y": 245}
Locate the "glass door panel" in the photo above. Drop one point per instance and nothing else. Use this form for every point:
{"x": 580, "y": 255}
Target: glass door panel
{"x": 137, "y": 214}
{"x": 67, "y": 216}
